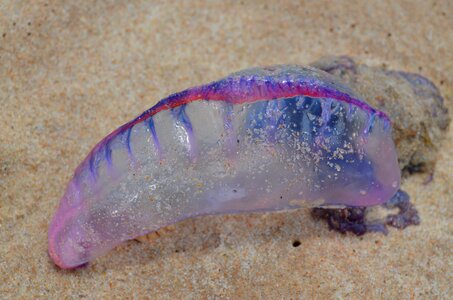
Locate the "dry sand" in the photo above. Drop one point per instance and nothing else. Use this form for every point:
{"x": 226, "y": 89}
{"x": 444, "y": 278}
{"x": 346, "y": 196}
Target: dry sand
{"x": 72, "y": 72}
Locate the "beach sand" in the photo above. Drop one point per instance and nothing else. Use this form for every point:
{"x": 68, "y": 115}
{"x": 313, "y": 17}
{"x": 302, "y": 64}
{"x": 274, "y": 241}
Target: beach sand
{"x": 70, "y": 73}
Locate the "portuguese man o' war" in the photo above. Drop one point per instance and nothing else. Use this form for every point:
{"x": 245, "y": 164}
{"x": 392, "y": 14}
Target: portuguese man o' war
{"x": 263, "y": 139}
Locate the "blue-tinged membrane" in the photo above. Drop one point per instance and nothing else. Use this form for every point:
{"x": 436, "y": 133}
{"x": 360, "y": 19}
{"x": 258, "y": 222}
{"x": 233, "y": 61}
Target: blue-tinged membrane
{"x": 181, "y": 115}
{"x": 153, "y": 132}
{"x": 281, "y": 120}
{"x": 303, "y": 115}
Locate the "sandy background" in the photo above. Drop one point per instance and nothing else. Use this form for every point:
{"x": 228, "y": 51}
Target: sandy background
{"x": 71, "y": 73}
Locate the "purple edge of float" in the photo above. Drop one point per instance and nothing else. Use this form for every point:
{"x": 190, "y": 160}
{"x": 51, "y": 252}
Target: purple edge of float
{"x": 244, "y": 90}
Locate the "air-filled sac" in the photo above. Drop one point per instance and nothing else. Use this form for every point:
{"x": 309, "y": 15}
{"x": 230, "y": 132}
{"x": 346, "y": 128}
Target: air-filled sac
{"x": 263, "y": 139}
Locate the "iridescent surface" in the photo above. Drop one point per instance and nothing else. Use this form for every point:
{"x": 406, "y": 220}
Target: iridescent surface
{"x": 260, "y": 140}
